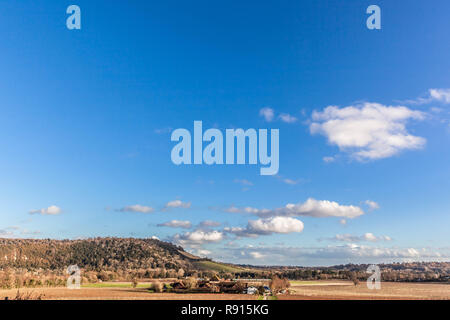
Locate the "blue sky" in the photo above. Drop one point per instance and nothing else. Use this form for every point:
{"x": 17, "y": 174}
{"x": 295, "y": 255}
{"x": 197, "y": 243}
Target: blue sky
{"x": 87, "y": 117}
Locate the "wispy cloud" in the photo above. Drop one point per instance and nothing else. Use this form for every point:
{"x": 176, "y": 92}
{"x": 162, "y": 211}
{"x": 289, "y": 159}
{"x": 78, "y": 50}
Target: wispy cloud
{"x": 267, "y": 113}
{"x": 355, "y": 238}
{"x": 5, "y": 233}
{"x": 30, "y": 232}
{"x": 233, "y": 209}
{"x": 163, "y": 130}
{"x": 137, "y": 208}
{"x": 285, "y": 117}
{"x": 176, "y": 224}
{"x": 243, "y": 182}
{"x": 372, "y": 204}
{"x": 209, "y": 224}
{"x": 177, "y": 204}
{"x": 288, "y": 180}
{"x": 433, "y": 95}
{"x": 17, "y": 232}
{"x": 52, "y": 210}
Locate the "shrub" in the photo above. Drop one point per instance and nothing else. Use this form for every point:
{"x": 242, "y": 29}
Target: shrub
{"x": 6, "y": 280}
{"x": 354, "y": 278}
{"x": 190, "y": 283}
{"x": 277, "y": 284}
{"x": 261, "y": 290}
{"x": 157, "y": 286}
{"x": 27, "y": 296}
{"x": 103, "y": 276}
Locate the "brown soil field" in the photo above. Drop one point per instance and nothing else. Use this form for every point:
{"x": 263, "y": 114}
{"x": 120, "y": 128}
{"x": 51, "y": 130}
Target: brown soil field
{"x": 345, "y": 290}
{"x": 116, "y": 294}
{"x": 316, "y": 290}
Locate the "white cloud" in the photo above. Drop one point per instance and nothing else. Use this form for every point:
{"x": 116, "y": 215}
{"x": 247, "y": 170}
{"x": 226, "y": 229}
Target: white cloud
{"x": 203, "y": 252}
{"x": 321, "y": 208}
{"x": 176, "y": 224}
{"x": 343, "y": 221}
{"x": 137, "y": 208}
{"x": 267, "y": 113}
{"x": 368, "y": 131}
{"x": 256, "y": 255}
{"x": 442, "y": 95}
{"x": 52, "y": 210}
{"x": 256, "y": 211}
{"x": 310, "y": 208}
{"x": 369, "y": 237}
{"x": 372, "y": 204}
{"x": 285, "y": 117}
{"x": 276, "y": 225}
{"x": 328, "y": 159}
{"x": 177, "y": 204}
{"x": 324, "y": 208}
{"x": 198, "y": 237}
{"x": 267, "y": 227}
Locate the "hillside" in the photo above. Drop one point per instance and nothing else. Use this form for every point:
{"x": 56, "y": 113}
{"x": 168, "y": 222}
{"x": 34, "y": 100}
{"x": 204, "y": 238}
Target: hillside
{"x": 94, "y": 254}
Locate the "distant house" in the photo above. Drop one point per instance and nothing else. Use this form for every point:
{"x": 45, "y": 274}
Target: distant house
{"x": 251, "y": 290}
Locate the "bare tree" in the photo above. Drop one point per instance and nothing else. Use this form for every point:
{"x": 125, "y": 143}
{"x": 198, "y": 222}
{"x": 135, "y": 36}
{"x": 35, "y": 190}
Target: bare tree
{"x": 354, "y": 278}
